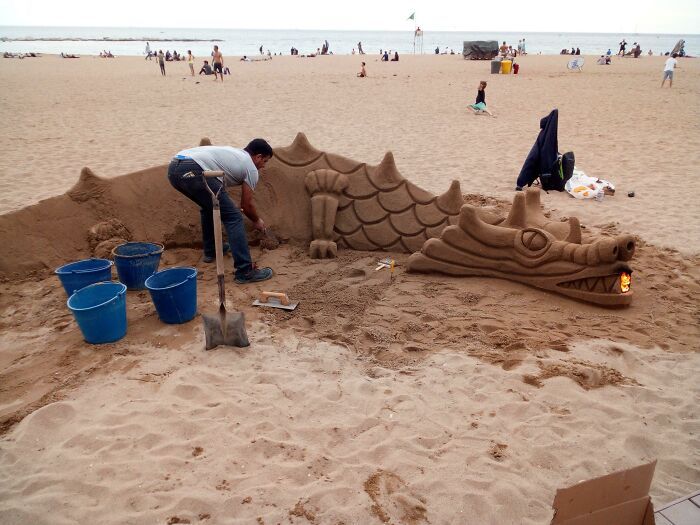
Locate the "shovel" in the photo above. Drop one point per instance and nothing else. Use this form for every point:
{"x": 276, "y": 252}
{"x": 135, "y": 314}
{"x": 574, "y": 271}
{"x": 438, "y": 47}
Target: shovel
{"x": 223, "y": 328}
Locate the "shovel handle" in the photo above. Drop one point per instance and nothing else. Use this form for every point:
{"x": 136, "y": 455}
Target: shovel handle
{"x": 284, "y": 300}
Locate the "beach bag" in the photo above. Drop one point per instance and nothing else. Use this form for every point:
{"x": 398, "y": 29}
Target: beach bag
{"x": 561, "y": 172}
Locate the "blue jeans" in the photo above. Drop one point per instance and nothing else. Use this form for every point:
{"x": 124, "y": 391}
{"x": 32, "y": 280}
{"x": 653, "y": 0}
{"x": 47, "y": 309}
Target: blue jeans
{"x": 193, "y": 188}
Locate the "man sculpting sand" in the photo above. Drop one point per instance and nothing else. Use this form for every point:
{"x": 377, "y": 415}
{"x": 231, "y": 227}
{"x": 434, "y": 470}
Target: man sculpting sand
{"x": 240, "y": 167}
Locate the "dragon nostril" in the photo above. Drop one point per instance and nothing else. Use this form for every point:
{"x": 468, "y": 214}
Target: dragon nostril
{"x": 630, "y": 246}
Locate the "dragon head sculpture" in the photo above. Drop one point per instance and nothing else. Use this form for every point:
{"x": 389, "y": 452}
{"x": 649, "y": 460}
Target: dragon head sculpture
{"x": 521, "y": 248}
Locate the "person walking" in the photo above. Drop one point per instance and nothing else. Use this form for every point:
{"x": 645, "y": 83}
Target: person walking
{"x": 148, "y": 51}
{"x": 670, "y": 65}
{"x": 240, "y": 167}
{"x": 161, "y": 61}
{"x": 623, "y": 46}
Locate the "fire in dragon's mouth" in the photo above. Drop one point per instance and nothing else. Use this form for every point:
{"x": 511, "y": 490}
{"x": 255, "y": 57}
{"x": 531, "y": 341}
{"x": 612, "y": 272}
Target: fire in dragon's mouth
{"x": 608, "y": 284}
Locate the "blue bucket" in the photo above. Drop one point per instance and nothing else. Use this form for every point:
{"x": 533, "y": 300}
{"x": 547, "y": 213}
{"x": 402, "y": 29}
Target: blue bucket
{"x": 77, "y": 275}
{"x": 174, "y": 294}
{"x": 136, "y": 262}
{"x": 100, "y": 311}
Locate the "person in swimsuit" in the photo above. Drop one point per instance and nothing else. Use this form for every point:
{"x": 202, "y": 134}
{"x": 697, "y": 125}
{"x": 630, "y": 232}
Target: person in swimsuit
{"x": 218, "y": 63}
{"x": 190, "y": 61}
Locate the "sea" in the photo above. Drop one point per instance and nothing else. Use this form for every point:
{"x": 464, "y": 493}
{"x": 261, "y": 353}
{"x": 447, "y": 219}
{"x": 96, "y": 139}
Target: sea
{"x": 237, "y": 42}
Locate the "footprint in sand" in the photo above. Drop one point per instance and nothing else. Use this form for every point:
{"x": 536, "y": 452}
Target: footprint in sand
{"x": 393, "y": 501}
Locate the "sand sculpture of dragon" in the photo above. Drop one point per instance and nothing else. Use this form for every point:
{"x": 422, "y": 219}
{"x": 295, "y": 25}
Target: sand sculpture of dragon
{"x": 363, "y": 207}
{"x": 330, "y": 201}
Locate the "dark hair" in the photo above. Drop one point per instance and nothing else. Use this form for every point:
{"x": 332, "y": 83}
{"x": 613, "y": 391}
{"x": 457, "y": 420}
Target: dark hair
{"x": 674, "y": 55}
{"x": 259, "y": 147}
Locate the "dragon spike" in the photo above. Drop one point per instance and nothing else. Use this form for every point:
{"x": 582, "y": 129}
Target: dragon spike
{"x": 518, "y": 213}
{"x": 574, "y": 231}
{"x": 86, "y": 174}
{"x": 302, "y": 143}
{"x": 451, "y": 201}
{"x": 468, "y": 217}
{"x": 385, "y": 175}
{"x": 206, "y": 141}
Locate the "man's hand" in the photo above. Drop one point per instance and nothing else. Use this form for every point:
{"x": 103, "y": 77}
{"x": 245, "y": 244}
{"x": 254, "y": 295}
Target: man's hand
{"x": 259, "y": 225}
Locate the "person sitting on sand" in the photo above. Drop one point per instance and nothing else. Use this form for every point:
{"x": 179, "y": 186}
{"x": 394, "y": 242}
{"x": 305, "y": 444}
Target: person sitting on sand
{"x": 168, "y": 56}
{"x": 385, "y": 56}
{"x": 206, "y": 69}
{"x": 240, "y": 167}
{"x": 396, "y": 57}
{"x": 479, "y": 107}
{"x": 363, "y": 72}
{"x": 63, "y": 55}
{"x": 503, "y": 49}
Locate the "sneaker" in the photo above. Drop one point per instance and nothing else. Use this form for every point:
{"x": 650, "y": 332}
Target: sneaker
{"x": 257, "y": 275}
{"x": 210, "y": 258}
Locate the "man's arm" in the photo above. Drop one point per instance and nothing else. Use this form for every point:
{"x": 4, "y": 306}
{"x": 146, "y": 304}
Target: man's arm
{"x": 248, "y": 207}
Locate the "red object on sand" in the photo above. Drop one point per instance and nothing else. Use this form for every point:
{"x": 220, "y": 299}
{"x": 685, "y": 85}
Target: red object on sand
{"x": 515, "y": 68}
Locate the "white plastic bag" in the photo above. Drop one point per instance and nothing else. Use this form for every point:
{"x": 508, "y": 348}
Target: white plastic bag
{"x": 581, "y": 186}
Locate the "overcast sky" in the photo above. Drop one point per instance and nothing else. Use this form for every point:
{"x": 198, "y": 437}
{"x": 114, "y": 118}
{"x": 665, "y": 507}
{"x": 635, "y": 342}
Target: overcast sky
{"x": 604, "y": 16}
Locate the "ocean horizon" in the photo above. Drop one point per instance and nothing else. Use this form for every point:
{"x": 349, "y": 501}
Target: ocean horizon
{"x": 131, "y": 41}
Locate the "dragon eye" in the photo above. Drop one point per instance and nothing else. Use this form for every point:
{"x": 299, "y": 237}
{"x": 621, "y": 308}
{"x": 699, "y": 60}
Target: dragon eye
{"x": 534, "y": 240}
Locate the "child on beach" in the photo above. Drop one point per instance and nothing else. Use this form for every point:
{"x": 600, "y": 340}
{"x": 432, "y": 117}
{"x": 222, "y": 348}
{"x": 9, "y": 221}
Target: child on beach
{"x": 670, "y": 65}
{"x": 363, "y": 72}
{"x": 479, "y": 107}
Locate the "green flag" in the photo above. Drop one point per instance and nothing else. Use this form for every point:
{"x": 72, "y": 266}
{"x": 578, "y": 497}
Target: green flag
{"x": 412, "y": 17}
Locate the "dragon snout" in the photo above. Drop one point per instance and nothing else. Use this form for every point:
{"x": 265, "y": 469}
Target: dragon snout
{"x": 620, "y": 248}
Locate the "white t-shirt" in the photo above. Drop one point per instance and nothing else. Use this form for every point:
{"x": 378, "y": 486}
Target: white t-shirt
{"x": 236, "y": 163}
{"x": 670, "y": 64}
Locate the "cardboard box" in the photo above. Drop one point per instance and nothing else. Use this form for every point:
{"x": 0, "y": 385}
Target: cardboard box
{"x": 621, "y": 498}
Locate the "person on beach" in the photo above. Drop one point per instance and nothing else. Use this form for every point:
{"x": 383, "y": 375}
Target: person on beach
{"x": 240, "y": 167}
{"x": 522, "y": 49}
{"x": 396, "y": 57}
{"x": 623, "y": 46}
{"x": 363, "y": 72}
{"x": 206, "y": 69}
{"x": 148, "y": 51}
{"x": 670, "y": 65}
{"x": 190, "y": 61}
{"x": 161, "y": 61}
{"x": 218, "y": 62}
{"x": 359, "y": 48}
{"x": 479, "y": 107}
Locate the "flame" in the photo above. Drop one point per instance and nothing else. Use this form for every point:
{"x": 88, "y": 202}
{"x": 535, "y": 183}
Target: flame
{"x": 625, "y": 281}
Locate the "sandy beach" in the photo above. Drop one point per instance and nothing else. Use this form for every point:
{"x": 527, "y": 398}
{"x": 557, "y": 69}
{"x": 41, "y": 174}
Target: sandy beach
{"x": 422, "y": 399}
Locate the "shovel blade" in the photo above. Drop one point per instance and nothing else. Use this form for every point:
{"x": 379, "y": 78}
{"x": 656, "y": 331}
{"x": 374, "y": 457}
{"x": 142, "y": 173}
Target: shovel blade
{"x": 227, "y": 329}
